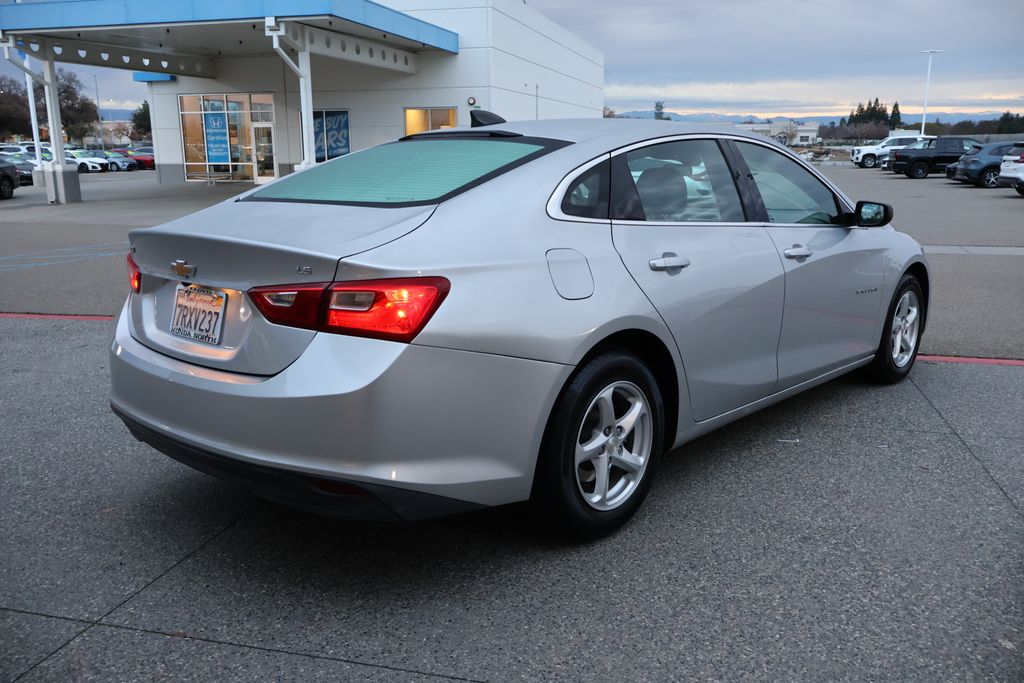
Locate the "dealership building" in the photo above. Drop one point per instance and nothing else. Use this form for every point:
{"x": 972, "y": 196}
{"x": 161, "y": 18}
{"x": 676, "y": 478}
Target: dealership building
{"x": 249, "y": 90}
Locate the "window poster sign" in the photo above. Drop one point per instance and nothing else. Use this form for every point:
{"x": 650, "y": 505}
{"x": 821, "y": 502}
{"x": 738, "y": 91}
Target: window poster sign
{"x": 331, "y": 131}
{"x": 218, "y": 150}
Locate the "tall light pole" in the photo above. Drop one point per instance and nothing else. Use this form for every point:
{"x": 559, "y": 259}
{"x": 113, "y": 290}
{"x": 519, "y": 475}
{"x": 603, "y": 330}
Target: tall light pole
{"x": 927, "y": 81}
{"x": 96, "y": 83}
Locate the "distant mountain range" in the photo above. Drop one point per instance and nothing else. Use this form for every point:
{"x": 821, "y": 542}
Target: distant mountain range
{"x": 944, "y": 116}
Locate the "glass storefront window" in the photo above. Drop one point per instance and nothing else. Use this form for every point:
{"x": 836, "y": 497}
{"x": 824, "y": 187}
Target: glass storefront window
{"x": 238, "y": 102}
{"x": 421, "y": 120}
{"x": 330, "y": 128}
{"x": 217, "y": 134}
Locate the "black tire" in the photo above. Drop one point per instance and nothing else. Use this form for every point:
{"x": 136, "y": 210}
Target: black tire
{"x": 557, "y": 496}
{"x": 83, "y": 167}
{"x": 1020, "y": 189}
{"x": 6, "y": 188}
{"x": 860, "y": 163}
{"x": 989, "y": 178}
{"x": 918, "y": 170}
{"x": 113, "y": 167}
{"x": 883, "y": 368}
{"x": 869, "y": 161}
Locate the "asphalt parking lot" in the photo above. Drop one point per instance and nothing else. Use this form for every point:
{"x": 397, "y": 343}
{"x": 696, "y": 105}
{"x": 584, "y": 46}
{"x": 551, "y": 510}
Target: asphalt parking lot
{"x": 854, "y": 532}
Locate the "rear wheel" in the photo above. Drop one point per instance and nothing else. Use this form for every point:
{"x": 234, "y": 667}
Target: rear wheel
{"x": 918, "y": 170}
{"x": 869, "y": 161}
{"x": 113, "y": 167}
{"x": 6, "y": 188}
{"x": 901, "y": 336}
{"x": 989, "y": 178}
{"x": 601, "y": 447}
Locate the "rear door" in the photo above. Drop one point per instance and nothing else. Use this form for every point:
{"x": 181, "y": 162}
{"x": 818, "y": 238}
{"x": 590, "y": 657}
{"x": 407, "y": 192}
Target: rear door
{"x": 833, "y": 273}
{"x": 679, "y": 225}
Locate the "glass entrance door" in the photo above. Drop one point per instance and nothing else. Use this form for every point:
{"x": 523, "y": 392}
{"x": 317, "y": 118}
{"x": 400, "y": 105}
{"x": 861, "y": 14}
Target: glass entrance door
{"x": 263, "y": 149}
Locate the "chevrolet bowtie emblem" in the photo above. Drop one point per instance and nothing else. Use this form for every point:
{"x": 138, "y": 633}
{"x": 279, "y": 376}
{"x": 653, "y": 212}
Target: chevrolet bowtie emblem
{"x": 182, "y": 268}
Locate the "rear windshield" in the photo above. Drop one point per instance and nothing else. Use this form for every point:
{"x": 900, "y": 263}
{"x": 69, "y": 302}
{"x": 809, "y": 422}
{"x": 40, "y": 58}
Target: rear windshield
{"x": 409, "y": 172}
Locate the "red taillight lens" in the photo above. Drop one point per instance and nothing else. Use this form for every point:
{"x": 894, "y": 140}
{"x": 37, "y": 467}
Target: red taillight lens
{"x": 134, "y": 274}
{"x": 291, "y": 305}
{"x": 383, "y": 309}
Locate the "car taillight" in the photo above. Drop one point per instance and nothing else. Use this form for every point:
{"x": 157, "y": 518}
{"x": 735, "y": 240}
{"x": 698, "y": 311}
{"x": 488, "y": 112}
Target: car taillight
{"x": 134, "y": 274}
{"x": 394, "y": 309}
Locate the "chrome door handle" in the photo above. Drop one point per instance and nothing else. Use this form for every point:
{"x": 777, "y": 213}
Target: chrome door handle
{"x": 669, "y": 261}
{"x": 797, "y": 251}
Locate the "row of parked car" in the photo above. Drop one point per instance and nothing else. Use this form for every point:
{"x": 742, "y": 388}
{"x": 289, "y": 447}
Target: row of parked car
{"x": 985, "y": 164}
{"x": 18, "y": 161}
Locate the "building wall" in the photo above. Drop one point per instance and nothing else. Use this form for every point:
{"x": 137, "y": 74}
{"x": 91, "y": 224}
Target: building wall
{"x": 512, "y": 60}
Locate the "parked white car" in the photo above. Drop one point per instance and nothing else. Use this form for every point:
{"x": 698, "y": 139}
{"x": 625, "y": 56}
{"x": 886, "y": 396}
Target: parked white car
{"x": 85, "y": 161}
{"x": 1011, "y": 170}
{"x": 119, "y": 162}
{"x": 871, "y": 155}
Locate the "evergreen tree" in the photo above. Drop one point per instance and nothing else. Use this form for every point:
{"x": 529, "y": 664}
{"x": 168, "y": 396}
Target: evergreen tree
{"x": 659, "y": 111}
{"x": 895, "y": 119}
{"x": 140, "y": 121}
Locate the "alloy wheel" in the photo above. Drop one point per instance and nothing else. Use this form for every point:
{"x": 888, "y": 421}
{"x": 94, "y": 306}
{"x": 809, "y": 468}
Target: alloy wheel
{"x": 990, "y": 179}
{"x": 906, "y": 323}
{"x": 613, "y": 446}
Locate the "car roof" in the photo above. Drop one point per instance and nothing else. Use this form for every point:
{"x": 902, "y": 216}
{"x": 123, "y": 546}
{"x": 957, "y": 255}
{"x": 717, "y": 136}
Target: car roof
{"x": 616, "y": 132}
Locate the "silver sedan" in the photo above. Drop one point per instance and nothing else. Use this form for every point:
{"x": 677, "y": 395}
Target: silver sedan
{"x": 521, "y": 311}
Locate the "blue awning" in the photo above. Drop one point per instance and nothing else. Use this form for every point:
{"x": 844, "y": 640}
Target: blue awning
{"x": 60, "y": 15}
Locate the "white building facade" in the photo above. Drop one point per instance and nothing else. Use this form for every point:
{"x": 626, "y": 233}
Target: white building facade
{"x": 511, "y": 60}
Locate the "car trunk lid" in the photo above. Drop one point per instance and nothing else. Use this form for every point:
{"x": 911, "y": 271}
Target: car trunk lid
{"x": 198, "y": 268}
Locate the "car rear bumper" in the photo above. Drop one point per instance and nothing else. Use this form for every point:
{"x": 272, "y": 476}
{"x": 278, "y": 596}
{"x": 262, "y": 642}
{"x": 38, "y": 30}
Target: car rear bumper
{"x": 1010, "y": 181}
{"x": 360, "y": 412}
{"x": 329, "y": 496}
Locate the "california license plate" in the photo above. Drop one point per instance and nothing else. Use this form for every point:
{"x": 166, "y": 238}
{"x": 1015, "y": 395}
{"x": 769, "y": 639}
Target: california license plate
{"x": 198, "y": 313}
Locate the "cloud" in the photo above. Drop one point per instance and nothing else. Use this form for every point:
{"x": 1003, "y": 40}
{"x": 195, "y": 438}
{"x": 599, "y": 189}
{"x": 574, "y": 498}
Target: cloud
{"x": 804, "y": 55}
{"x": 812, "y": 97}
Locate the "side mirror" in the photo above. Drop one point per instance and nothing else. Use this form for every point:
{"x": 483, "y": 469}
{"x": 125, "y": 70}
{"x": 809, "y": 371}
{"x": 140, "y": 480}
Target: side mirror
{"x": 872, "y": 215}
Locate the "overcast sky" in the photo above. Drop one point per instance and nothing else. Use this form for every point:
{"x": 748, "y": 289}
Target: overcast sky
{"x": 802, "y": 57}
{"x": 774, "y": 57}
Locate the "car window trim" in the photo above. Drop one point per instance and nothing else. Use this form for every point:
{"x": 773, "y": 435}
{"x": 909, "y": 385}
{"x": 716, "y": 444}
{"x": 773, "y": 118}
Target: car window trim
{"x": 554, "y": 201}
{"x": 843, "y": 203}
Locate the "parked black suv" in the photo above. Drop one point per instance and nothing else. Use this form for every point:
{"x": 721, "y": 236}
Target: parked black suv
{"x": 932, "y": 157}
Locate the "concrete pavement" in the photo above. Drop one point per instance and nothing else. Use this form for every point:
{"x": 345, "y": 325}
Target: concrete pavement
{"x": 852, "y": 533}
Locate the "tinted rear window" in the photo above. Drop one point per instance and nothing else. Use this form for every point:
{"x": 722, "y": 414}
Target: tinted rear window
{"x": 417, "y": 171}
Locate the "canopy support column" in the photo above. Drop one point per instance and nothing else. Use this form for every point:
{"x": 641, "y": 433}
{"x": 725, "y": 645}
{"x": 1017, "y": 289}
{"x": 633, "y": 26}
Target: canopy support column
{"x": 304, "y": 70}
{"x": 62, "y": 184}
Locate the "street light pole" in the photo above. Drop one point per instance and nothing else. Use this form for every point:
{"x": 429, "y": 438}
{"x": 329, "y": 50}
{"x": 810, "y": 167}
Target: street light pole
{"x": 927, "y": 82}
{"x": 96, "y": 83}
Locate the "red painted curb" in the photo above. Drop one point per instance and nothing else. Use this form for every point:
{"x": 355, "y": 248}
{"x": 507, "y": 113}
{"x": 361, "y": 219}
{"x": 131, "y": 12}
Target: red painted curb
{"x": 971, "y": 361}
{"x": 56, "y": 316}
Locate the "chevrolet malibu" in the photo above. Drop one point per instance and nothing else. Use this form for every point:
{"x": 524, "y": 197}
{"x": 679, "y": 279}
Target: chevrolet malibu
{"x": 501, "y": 313}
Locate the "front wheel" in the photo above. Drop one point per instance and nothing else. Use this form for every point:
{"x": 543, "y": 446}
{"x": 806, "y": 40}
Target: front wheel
{"x": 989, "y": 179}
{"x": 918, "y": 170}
{"x": 1020, "y": 189}
{"x": 869, "y": 161}
{"x": 83, "y": 167}
{"x": 6, "y": 188}
{"x": 601, "y": 447}
{"x": 901, "y": 337}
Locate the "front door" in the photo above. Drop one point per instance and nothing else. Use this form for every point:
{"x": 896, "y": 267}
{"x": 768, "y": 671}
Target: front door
{"x": 263, "y": 152}
{"x": 716, "y": 280}
{"x": 833, "y": 272}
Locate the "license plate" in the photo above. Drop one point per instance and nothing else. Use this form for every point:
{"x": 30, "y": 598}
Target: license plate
{"x": 198, "y": 313}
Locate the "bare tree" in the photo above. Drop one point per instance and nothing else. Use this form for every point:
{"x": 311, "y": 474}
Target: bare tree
{"x": 609, "y": 113}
